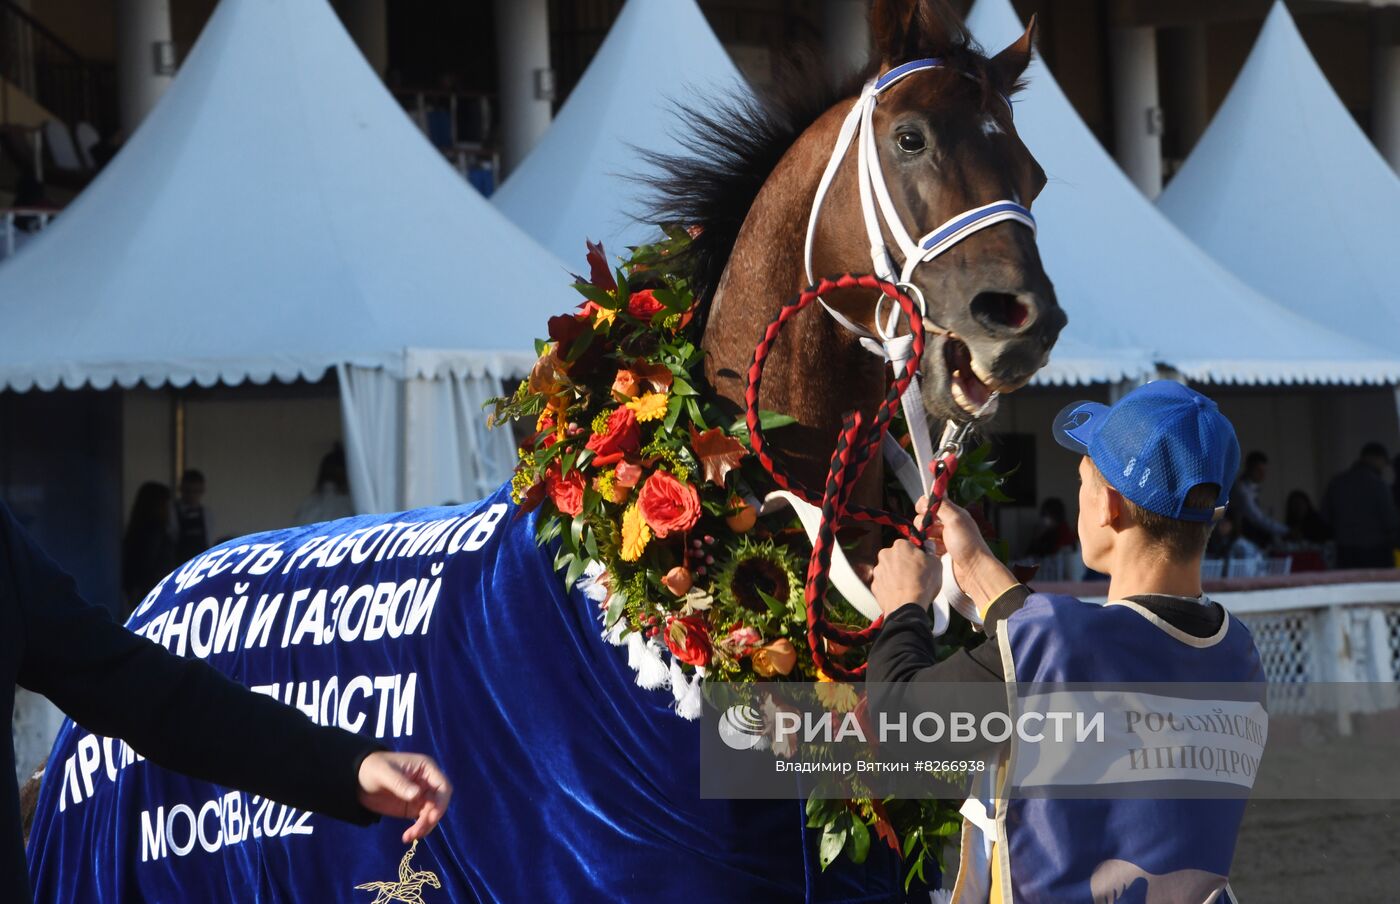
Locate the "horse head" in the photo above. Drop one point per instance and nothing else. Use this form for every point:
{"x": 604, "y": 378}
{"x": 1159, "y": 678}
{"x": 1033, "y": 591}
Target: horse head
{"x": 943, "y": 142}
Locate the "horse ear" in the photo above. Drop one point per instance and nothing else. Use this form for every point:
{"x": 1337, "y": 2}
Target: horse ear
{"x": 908, "y": 29}
{"x": 1008, "y": 65}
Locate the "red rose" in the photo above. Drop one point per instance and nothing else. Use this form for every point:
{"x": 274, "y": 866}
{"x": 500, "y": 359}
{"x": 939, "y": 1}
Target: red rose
{"x": 688, "y": 640}
{"x": 623, "y": 438}
{"x": 643, "y": 305}
{"x": 565, "y": 491}
{"x": 667, "y": 504}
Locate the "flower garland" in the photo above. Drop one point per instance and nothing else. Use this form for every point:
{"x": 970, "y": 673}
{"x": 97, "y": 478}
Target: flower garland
{"x": 651, "y": 494}
{"x": 649, "y": 489}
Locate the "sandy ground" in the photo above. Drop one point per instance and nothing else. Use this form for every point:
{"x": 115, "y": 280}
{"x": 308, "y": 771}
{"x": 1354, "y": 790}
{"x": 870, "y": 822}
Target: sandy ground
{"x": 1346, "y": 851}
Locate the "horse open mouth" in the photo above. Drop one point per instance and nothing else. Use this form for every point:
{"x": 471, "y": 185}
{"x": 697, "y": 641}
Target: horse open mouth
{"x": 969, "y": 390}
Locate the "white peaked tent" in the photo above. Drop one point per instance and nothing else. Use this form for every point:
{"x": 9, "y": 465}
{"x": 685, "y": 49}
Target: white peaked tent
{"x": 580, "y": 180}
{"x": 1286, "y": 190}
{"x": 1131, "y": 281}
{"x": 278, "y": 215}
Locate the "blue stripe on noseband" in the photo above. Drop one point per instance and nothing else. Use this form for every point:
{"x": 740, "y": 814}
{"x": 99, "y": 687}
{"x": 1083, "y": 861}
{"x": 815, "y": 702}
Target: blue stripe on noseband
{"x": 974, "y": 217}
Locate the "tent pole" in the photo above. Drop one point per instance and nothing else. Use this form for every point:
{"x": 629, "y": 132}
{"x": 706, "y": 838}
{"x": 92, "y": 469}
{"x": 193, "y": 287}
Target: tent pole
{"x": 177, "y": 436}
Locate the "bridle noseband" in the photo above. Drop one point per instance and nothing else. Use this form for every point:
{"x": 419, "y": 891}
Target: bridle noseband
{"x": 877, "y": 206}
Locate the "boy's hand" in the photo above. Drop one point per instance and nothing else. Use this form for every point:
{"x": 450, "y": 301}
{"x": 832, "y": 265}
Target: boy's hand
{"x": 979, "y": 573}
{"x": 905, "y": 574}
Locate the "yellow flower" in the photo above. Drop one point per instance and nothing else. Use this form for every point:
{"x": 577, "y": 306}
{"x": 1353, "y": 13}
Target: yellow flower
{"x": 650, "y": 406}
{"x": 636, "y": 534}
{"x": 604, "y": 316}
{"x": 840, "y": 698}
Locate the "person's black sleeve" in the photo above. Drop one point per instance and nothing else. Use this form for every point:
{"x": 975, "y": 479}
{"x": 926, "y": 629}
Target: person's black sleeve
{"x": 179, "y": 713}
{"x": 904, "y": 650}
{"x": 905, "y": 675}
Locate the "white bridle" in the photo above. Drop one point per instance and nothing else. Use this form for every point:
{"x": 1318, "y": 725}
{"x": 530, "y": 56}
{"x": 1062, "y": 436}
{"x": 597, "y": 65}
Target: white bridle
{"x": 876, "y": 206}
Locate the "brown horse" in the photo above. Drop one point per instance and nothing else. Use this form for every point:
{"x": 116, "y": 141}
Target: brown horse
{"x": 947, "y": 143}
{"x": 586, "y": 780}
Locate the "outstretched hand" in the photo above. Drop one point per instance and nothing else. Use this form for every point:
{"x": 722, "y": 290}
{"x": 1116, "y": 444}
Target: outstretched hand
{"x": 977, "y": 570}
{"x": 407, "y": 786}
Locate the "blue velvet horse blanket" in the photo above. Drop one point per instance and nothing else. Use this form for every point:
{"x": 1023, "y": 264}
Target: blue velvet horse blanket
{"x": 446, "y": 631}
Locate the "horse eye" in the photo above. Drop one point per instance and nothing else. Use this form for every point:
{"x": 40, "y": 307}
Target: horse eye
{"x": 910, "y": 142}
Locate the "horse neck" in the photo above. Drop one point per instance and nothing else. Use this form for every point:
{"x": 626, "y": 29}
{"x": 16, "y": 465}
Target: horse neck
{"x": 817, "y": 370}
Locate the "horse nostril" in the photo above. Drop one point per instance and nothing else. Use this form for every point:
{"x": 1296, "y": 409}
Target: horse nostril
{"x": 1001, "y": 310}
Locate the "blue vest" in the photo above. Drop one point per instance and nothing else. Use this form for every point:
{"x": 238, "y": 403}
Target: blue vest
{"x": 1066, "y": 851}
{"x": 445, "y": 631}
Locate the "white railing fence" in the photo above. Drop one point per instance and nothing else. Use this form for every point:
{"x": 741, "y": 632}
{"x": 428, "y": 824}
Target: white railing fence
{"x": 1336, "y": 633}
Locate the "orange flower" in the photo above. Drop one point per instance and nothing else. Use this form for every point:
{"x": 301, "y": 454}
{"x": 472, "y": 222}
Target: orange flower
{"x": 650, "y": 406}
{"x": 623, "y": 437}
{"x": 636, "y": 534}
{"x": 643, "y": 305}
{"x": 626, "y": 386}
{"x": 776, "y": 658}
{"x": 566, "y": 490}
{"x": 668, "y": 505}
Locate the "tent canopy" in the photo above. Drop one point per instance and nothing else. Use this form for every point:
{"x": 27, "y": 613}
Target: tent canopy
{"x": 1286, "y": 190}
{"x": 580, "y": 180}
{"x": 277, "y": 214}
{"x": 1130, "y": 280}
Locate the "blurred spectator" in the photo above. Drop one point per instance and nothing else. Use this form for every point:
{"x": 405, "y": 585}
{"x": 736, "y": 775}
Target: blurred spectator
{"x": 148, "y": 549}
{"x": 1395, "y": 482}
{"x": 1227, "y": 542}
{"x": 1253, "y": 522}
{"x": 1361, "y": 509}
{"x": 331, "y": 497}
{"x": 191, "y": 521}
{"x": 1053, "y": 532}
{"x": 1305, "y": 525}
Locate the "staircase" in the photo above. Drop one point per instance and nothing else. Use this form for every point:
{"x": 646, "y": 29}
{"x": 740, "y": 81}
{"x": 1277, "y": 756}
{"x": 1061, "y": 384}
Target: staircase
{"x": 38, "y": 63}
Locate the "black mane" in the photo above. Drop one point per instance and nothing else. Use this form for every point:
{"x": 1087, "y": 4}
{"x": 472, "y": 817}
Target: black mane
{"x": 735, "y": 144}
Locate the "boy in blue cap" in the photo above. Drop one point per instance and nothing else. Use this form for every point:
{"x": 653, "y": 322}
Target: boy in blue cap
{"x": 1155, "y": 471}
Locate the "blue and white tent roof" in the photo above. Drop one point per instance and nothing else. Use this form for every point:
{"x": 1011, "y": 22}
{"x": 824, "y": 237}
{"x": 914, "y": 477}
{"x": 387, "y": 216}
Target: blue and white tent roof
{"x": 1286, "y": 190}
{"x": 1132, "y": 283}
{"x": 579, "y": 181}
{"x": 276, "y": 214}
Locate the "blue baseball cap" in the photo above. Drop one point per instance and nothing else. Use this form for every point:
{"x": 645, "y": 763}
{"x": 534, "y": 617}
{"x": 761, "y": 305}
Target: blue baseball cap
{"x": 1155, "y": 444}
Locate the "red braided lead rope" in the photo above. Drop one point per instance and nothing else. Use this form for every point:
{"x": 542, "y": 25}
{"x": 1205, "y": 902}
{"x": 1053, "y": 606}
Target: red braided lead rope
{"x": 858, "y": 442}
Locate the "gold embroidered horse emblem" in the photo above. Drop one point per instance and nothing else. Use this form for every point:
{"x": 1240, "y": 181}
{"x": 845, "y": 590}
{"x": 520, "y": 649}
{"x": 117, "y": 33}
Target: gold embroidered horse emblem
{"x": 409, "y": 888}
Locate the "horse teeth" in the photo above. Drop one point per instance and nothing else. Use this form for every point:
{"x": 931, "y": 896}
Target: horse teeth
{"x": 961, "y": 398}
